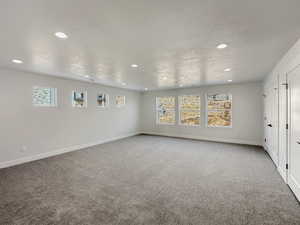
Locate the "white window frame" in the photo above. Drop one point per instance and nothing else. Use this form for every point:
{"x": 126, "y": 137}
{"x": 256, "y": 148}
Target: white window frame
{"x": 120, "y": 105}
{"x": 191, "y": 110}
{"x": 53, "y": 96}
{"x": 217, "y": 110}
{"x": 157, "y": 110}
{"x": 107, "y": 100}
{"x": 85, "y": 100}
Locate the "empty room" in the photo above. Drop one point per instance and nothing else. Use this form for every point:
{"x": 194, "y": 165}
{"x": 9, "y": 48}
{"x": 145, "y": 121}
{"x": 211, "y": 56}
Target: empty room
{"x": 143, "y": 112}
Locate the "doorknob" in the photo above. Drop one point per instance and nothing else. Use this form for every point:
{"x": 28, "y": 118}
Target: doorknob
{"x": 269, "y": 125}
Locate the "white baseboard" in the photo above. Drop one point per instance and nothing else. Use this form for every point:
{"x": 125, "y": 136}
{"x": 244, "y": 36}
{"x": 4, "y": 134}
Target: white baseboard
{"x": 282, "y": 174}
{"x": 265, "y": 147}
{"x": 60, "y": 151}
{"x": 225, "y": 140}
{"x": 295, "y": 186}
{"x": 273, "y": 157}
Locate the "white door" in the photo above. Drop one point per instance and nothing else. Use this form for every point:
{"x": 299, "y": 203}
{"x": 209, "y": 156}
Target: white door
{"x": 268, "y": 121}
{"x": 275, "y": 123}
{"x": 271, "y": 121}
{"x": 294, "y": 140}
{"x": 282, "y": 125}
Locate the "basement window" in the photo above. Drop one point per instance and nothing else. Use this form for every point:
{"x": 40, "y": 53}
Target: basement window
{"x": 102, "y": 100}
{"x": 219, "y": 110}
{"x": 120, "y": 101}
{"x": 44, "y": 96}
{"x": 165, "y": 110}
{"x": 189, "y": 110}
{"x": 79, "y": 99}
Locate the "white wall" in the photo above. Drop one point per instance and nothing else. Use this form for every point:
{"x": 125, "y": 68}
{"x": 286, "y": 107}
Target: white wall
{"x": 275, "y": 79}
{"x": 44, "y": 130}
{"x": 288, "y": 62}
{"x": 247, "y": 114}
{"x": 49, "y": 131}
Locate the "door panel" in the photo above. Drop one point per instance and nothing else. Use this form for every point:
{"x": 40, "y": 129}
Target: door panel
{"x": 267, "y": 116}
{"x": 268, "y": 122}
{"x": 283, "y": 138}
{"x": 294, "y": 141}
{"x": 275, "y": 110}
{"x": 271, "y": 120}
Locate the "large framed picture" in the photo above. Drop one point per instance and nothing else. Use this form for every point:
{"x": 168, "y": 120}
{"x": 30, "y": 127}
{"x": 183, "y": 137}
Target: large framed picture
{"x": 79, "y": 99}
{"x": 102, "y": 100}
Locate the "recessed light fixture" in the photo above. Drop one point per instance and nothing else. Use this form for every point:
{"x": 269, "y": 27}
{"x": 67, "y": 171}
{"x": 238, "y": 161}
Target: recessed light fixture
{"x": 134, "y": 65}
{"x": 123, "y": 84}
{"x": 61, "y": 35}
{"x": 146, "y": 89}
{"x": 87, "y": 76}
{"x": 229, "y": 80}
{"x": 227, "y": 70}
{"x": 17, "y": 61}
{"x": 222, "y": 46}
{"x": 164, "y": 78}
{"x": 180, "y": 85}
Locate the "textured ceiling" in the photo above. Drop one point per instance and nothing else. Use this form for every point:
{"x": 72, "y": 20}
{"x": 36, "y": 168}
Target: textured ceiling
{"x": 173, "y": 42}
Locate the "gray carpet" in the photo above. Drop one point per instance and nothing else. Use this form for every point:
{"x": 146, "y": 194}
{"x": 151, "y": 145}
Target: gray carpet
{"x": 149, "y": 180}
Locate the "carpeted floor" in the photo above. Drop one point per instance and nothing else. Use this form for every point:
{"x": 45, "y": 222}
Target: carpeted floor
{"x": 152, "y": 181}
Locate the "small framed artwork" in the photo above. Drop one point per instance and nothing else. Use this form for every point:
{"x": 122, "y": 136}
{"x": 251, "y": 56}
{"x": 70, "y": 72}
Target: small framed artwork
{"x": 102, "y": 100}
{"x": 79, "y": 99}
{"x": 120, "y": 101}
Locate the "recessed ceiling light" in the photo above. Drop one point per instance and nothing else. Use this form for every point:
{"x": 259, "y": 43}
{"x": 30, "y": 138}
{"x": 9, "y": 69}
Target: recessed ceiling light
{"x": 134, "y": 65}
{"x": 229, "y": 80}
{"x": 146, "y": 89}
{"x": 17, "y": 61}
{"x": 164, "y": 78}
{"x": 227, "y": 70}
{"x": 87, "y": 76}
{"x": 61, "y": 35}
{"x": 222, "y": 46}
{"x": 123, "y": 84}
{"x": 180, "y": 85}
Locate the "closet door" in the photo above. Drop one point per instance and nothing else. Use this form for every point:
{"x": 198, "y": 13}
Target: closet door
{"x": 283, "y": 129}
{"x": 271, "y": 121}
{"x": 268, "y": 121}
{"x": 294, "y": 138}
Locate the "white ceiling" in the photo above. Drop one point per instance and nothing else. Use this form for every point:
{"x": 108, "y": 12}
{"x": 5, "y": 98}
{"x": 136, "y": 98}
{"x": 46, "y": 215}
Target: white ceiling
{"x": 175, "y": 39}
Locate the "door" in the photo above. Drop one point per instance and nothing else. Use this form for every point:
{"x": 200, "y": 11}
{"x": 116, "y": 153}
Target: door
{"x": 283, "y": 129}
{"x": 294, "y": 132}
{"x": 271, "y": 120}
{"x": 268, "y": 121}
